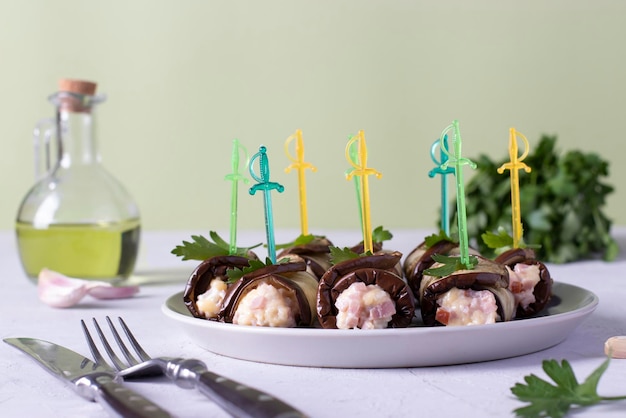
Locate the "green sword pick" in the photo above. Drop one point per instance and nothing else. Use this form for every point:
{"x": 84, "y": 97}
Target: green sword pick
{"x": 235, "y": 177}
{"x": 458, "y": 162}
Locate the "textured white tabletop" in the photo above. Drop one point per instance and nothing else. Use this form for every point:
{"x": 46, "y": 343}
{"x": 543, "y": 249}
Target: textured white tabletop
{"x": 480, "y": 389}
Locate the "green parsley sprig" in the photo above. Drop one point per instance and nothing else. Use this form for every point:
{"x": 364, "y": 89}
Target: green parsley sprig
{"x": 555, "y": 400}
{"x": 235, "y": 273}
{"x": 201, "y": 248}
{"x": 380, "y": 234}
{"x": 503, "y": 241}
{"x": 337, "y": 255}
{"x": 433, "y": 239}
{"x": 449, "y": 265}
{"x": 300, "y": 240}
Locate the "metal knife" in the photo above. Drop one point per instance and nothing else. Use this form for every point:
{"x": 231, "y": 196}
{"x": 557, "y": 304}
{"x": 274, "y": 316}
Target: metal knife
{"x": 91, "y": 381}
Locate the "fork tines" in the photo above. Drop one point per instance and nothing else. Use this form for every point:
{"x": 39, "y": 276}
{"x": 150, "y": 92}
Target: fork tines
{"x": 117, "y": 362}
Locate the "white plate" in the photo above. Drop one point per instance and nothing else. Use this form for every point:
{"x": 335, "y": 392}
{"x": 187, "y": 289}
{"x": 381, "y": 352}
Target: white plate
{"x": 408, "y": 347}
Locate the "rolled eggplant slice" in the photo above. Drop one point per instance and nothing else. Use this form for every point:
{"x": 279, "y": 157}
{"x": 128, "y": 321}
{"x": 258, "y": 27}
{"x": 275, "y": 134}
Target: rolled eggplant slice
{"x": 420, "y": 259}
{"x": 376, "y": 273}
{"x": 484, "y": 294}
{"x": 278, "y": 295}
{"x": 316, "y": 254}
{"x": 206, "y": 285}
{"x": 529, "y": 281}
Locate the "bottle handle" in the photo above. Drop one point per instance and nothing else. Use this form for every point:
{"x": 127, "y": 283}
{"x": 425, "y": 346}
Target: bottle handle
{"x": 42, "y": 143}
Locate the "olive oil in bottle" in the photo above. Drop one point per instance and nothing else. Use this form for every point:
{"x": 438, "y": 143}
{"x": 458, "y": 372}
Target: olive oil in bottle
{"x": 102, "y": 252}
{"x": 77, "y": 219}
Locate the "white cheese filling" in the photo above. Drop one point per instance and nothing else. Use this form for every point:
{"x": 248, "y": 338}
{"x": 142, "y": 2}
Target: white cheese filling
{"x": 522, "y": 281}
{"x": 267, "y": 306}
{"x": 466, "y": 307}
{"x": 210, "y": 302}
{"x": 364, "y": 306}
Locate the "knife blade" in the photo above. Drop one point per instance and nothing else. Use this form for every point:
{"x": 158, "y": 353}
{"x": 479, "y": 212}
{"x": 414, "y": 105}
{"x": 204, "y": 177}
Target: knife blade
{"x": 94, "y": 382}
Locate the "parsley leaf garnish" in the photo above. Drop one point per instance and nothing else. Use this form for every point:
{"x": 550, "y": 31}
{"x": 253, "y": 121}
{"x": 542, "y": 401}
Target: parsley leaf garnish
{"x": 433, "y": 239}
{"x": 202, "y": 248}
{"x": 549, "y": 400}
{"x": 502, "y": 241}
{"x": 379, "y": 234}
{"x": 300, "y": 240}
{"x": 337, "y": 255}
{"x": 450, "y": 265}
{"x": 499, "y": 240}
{"x": 235, "y": 273}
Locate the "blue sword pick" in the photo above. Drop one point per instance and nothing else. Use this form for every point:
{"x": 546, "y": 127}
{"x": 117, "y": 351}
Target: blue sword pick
{"x": 266, "y": 186}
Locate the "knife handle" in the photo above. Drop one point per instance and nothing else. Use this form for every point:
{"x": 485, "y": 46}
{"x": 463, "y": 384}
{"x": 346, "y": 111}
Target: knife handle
{"x": 242, "y": 400}
{"x": 119, "y": 400}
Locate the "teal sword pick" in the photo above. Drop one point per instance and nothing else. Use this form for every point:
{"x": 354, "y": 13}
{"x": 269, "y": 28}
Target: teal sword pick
{"x": 266, "y": 186}
{"x": 443, "y": 157}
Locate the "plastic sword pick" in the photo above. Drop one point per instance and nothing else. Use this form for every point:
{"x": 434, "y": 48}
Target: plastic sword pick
{"x": 363, "y": 172}
{"x": 354, "y": 161}
{"x": 266, "y": 186}
{"x": 514, "y": 166}
{"x": 445, "y": 217}
{"x": 300, "y": 165}
{"x": 458, "y": 163}
{"x": 235, "y": 177}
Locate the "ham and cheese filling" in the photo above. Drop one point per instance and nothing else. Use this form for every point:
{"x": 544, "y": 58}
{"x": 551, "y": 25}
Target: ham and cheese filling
{"x": 466, "y": 307}
{"x": 267, "y": 306}
{"x": 364, "y": 306}
{"x": 210, "y": 302}
{"x": 522, "y": 281}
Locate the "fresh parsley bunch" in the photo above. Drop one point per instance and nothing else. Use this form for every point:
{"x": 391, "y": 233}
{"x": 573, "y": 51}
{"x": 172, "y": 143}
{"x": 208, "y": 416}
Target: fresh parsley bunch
{"x": 562, "y": 201}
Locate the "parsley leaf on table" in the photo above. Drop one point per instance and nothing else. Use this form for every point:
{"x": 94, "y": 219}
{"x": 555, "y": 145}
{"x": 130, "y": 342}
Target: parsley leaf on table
{"x": 548, "y": 400}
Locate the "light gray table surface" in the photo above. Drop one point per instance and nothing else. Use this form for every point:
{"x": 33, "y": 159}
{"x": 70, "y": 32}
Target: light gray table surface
{"x": 479, "y": 389}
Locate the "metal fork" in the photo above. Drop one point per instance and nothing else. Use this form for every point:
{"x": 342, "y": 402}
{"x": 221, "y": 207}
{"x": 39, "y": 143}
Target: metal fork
{"x": 237, "y": 399}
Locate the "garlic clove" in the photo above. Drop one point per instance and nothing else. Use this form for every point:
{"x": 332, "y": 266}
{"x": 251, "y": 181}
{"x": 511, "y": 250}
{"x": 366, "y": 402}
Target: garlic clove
{"x": 615, "y": 347}
{"x": 60, "y": 291}
{"x": 113, "y": 292}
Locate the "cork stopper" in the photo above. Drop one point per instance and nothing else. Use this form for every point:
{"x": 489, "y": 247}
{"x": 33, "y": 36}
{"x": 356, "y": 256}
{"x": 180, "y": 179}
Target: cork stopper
{"x": 87, "y": 88}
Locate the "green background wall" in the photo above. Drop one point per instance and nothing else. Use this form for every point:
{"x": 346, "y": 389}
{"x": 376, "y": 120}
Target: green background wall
{"x": 183, "y": 78}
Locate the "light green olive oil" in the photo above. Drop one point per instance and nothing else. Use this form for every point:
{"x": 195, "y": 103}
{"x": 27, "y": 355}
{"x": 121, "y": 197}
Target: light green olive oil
{"x": 87, "y": 251}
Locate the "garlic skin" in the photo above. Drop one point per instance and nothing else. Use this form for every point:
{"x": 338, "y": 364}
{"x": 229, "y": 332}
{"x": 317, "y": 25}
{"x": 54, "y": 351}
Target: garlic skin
{"x": 60, "y": 291}
{"x": 615, "y": 347}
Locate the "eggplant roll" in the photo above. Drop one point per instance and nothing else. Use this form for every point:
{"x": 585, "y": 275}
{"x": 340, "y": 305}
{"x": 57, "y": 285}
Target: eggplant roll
{"x": 467, "y": 297}
{"x": 377, "y": 248}
{"x": 420, "y": 259}
{"x": 316, "y": 254}
{"x": 278, "y": 295}
{"x": 365, "y": 292}
{"x": 207, "y": 286}
{"x": 529, "y": 280}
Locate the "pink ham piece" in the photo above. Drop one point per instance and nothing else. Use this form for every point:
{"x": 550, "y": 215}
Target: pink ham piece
{"x": 60, "y": 291}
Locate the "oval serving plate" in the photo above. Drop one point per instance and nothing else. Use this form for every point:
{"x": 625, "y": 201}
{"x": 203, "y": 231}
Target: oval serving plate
{"x": 417, "y": 346}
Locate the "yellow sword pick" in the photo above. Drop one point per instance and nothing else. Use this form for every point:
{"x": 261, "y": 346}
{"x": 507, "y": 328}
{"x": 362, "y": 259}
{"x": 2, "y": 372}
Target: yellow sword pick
{"x": 300, "y": 165}
{"x": 362, "y": 171}
{"x": 513, "y": 166}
